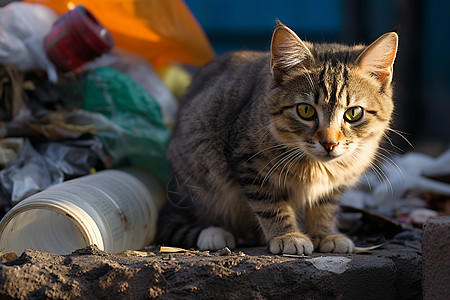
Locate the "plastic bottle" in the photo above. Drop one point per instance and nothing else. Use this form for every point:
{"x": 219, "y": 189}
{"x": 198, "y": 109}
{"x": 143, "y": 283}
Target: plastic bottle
{"x": 113, "y": 209}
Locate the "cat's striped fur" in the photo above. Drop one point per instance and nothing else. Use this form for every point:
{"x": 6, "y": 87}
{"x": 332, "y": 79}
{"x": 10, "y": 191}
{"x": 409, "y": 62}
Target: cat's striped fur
{"x": 249, "y": 158}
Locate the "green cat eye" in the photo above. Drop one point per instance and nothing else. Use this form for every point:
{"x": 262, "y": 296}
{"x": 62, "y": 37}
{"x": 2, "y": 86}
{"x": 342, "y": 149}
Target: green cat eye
{"x": 306, "y": 111}
{"x": 353, "y": 114}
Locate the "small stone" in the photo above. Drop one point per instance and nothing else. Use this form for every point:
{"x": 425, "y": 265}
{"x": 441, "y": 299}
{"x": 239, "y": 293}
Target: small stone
{"x": 133, "y": 253}
{"x": 168, "y": 257}
{"x": 90, "y": 250}
{"x": 223, "y": 251}
{"x": 10, "y": 256}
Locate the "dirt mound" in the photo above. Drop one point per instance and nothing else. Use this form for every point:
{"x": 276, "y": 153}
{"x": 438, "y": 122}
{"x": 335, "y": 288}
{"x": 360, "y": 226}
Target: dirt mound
{"x": 393, "y": 271}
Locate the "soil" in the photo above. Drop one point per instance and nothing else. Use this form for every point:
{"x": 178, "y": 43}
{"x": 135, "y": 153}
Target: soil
{"x": 390, "y": 272}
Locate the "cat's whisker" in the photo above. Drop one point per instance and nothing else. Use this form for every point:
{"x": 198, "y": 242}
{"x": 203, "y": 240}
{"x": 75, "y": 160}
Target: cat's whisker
{"x": 387, "y": 151}
{"x": 391, "y": 162}
{"x": 299, "y": 156}
{"x": 401, "y": 134}
{"x": 372, "y": 166}
{"x": 391, "y": 143}
{"x": 383, "y": 158}
{"x": 280, "y": 156}
{"x": 382, "y": 176}
{"x": 266, "y": 137}
{"x": 273, "y": 148}
{"x": 284, "y": 162}
{"x": 385, "y": 180}
{"x": 379, "y": 175}
{"x": 388, "y": 139}
{"x": 267, "y": 128}
{"x": 289, "y": 159}
{"x": 368, "y": 182}
{"x": 353, "y": 156}
{"x": 277, "y": 164}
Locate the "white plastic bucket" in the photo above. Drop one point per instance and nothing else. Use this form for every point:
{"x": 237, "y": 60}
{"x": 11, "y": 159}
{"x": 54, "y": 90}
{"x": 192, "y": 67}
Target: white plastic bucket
{"x": 113, "y": 209}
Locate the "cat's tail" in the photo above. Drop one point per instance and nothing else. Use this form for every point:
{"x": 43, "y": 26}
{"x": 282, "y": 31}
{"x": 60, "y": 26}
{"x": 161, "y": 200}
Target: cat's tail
{"x": 175, "y": 229}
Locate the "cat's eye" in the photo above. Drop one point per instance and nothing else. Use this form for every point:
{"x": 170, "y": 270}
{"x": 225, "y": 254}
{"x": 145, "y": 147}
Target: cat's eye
{"x": 353, "y": 114}
{"x": 306, "y": 111}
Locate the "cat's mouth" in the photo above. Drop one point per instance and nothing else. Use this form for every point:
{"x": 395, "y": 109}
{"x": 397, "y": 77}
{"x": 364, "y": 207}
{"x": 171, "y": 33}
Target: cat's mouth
{"x": 328, "y": 157}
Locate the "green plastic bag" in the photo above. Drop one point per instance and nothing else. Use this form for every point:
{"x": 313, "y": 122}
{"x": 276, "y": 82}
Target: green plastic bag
{"x": 139, "y": 137}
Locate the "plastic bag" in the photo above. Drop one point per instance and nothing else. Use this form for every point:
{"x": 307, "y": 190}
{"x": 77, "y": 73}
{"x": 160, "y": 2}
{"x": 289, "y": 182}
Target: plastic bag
{"x": 45, "y": 164}
{"x": 23, "y": 28}
{"x": 141, "y": 71}
{"x": 163, "y": 31}
{"x": 138, "y": 134}
{"x": 9, "y": 150}
{"x": 31, "y": 106}
{"x": 388, "y": 188}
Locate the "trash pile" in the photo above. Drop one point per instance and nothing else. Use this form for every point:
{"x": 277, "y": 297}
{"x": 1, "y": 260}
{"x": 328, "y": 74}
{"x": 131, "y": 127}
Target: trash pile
{"x": 85, "y": 86}
{"x": 407, "y": 189}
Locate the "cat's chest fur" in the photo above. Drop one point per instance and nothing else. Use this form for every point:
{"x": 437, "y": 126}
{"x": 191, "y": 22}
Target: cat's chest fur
{"x": 313, "y": 182}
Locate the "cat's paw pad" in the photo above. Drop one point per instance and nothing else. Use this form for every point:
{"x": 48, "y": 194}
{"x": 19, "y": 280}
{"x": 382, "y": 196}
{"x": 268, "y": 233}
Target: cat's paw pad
{"x": 291, "y": 243}
{"x": 215, "y": 238}
{"x": 336, "y": 243}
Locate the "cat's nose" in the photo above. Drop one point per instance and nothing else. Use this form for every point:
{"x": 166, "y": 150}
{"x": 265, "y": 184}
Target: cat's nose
{"x": 329, "y": 146}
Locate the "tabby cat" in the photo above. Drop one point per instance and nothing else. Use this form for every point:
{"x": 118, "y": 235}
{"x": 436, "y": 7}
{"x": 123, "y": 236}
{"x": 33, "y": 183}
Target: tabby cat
{"x": 265, "y": 143}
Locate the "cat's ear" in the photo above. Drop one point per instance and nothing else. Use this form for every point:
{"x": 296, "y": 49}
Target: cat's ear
{"x": 378, "y": 58}
{"x": 287, "y": 51}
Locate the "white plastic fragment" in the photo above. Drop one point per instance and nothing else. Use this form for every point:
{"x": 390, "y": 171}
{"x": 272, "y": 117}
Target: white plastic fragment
{"x": 334, "y": 264}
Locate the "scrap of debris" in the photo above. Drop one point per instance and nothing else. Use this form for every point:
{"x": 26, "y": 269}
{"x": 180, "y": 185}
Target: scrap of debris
{"x": 134, "y": 253}
{"x": 166, "y": 249}
{"x": 223, "y": 252}
{"x": 9, "y": 256}
{"x": 401, "y": 194}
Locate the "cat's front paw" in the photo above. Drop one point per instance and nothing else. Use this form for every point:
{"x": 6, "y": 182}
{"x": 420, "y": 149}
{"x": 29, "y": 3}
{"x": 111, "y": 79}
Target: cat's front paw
{"x": 215, "y": 238}
{"x": 291, "y": 243}
{"x": 336, "y": 243}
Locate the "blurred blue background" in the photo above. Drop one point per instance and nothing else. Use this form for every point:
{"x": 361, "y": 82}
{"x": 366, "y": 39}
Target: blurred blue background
{"x": 422, "y": 67}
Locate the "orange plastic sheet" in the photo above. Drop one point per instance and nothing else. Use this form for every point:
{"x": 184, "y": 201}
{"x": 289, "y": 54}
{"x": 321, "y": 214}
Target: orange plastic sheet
{"x": 163, "y": 31}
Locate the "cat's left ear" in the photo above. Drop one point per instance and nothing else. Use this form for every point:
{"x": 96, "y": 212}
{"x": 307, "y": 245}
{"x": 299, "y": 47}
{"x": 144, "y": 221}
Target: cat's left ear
{"x": 378, "y": 58}
{"x": 287, "y": 51}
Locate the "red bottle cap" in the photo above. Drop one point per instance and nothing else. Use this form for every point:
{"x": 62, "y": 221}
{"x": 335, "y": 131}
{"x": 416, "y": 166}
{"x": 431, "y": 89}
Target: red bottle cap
{"x": 76, "y": 38}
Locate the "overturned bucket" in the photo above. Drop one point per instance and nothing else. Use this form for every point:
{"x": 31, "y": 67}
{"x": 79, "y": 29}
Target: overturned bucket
{"x": 113, "y": 209}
